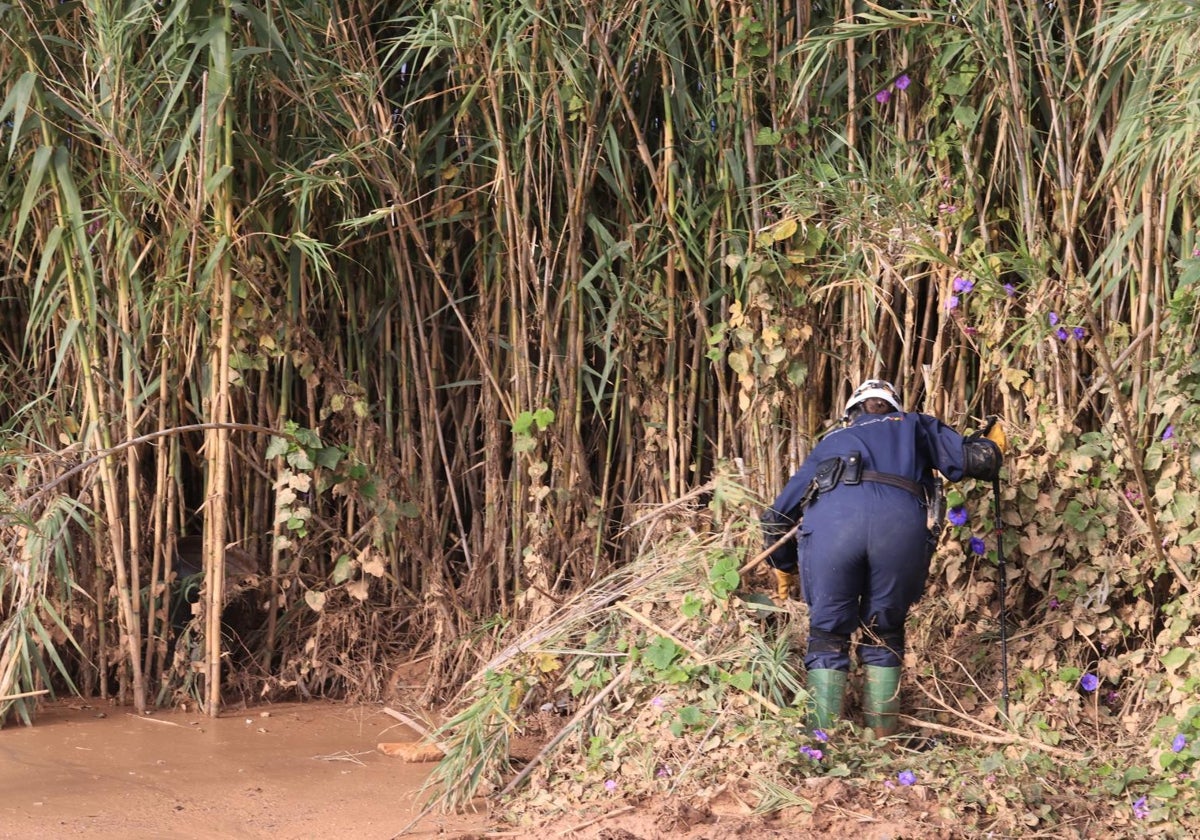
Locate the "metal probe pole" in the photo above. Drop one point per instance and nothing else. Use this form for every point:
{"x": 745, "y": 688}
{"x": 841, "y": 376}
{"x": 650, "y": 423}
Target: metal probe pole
{"x": 1003, "y": 598}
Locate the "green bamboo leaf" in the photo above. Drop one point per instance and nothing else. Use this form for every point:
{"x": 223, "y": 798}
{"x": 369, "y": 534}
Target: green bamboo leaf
{"x": 33, "y": 185}
{"x": 17, "y": 104}
{"x": 48, "y": 648}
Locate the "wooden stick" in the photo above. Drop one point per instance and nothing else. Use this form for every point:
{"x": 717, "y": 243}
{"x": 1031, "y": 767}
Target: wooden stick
{"x": 993, "y": 734}
{"x": 750, "y": 564}
{"x": 38, "y": 693}
{"x": 583, "y": 712}
{"x": 661, "y": 509}
{"x": 428, "y": 749}
{"x": 575, "y": 829}
{"x": 992, "y": 739}
{"x": 156, "y": 720}
{"x": 412, "y": 724}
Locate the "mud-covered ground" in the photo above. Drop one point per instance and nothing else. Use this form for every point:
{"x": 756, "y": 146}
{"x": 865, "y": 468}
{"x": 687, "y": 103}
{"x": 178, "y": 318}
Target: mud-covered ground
{"x": 88, "y": 769}
{"x": 312, "y": 770}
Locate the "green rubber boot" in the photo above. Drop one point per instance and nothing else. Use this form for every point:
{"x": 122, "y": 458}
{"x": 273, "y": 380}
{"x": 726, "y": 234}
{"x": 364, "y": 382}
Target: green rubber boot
{"x": 826, "y": 692}
{"x": 881, "y": 699}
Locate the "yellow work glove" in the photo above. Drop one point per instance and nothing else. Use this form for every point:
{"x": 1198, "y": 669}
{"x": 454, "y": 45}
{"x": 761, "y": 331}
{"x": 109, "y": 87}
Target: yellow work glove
{"x": 783, "y": 584}
{"x": 995, "y": 433}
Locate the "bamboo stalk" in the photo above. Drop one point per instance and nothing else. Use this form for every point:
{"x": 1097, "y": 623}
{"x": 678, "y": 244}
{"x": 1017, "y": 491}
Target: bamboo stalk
{"x": 219, "y": 154}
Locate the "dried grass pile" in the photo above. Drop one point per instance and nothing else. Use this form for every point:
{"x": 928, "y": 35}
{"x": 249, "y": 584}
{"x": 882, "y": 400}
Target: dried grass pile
{"x": 676, "y": 679}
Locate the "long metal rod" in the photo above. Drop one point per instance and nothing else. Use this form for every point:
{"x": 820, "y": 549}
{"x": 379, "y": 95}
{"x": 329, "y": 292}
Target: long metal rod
{"x": 1003, "y": 598}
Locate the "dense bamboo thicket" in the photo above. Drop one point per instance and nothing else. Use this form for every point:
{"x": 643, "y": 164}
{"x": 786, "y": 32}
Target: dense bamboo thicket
{"x": 425, "y": 305}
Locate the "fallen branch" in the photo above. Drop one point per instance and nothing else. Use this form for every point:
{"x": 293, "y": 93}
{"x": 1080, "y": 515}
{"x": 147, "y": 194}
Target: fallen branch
{"x": 988, "y": 738}
{"x": 763, "y": 555}
{"x": 156, "y": 720}
{"x": 992, "y": 735}
{"x": 575, "y": 829}
{"x": 428, "y": 749}
{"x": 583, "y": 712}
{"x": 662, "y": 509}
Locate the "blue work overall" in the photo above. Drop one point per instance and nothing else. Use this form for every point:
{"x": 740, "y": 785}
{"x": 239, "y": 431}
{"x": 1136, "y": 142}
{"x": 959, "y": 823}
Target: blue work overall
{"x": 863, "y": 549}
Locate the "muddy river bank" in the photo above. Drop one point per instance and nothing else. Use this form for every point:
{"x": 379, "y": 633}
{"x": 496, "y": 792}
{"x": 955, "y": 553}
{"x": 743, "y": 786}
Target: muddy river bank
{"x": 298, "y": 770}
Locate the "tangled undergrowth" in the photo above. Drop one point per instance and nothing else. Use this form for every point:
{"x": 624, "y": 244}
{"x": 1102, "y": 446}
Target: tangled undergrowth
{"x": 677, "y": 680}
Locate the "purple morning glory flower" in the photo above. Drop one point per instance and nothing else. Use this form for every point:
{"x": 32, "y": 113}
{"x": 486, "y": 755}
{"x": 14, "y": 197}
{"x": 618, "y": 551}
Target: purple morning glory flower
{"x": 1009, "y": 289}
{"x": 977, "y": 545}
{"x": 957, "y": 515}
{"x": 1089, "y": 682}
{"x": 1140, "y": 809}
{"x": 906, "y": 778}
{"x": 883, "y": 96}
{"x": 903, "y": 81}
{"x": 610, "y": 785}
{"x": 952, "y": 302}
{"x": 1053, "y": 318}
{"x": 1079, "y": 333}
{"x": 820, "y": 735}
{"x": 962, "y": 285}
{"x": 1061, "y": 332}
{"x": 1169, "y": 432}
{"x": 1179, "y": 743}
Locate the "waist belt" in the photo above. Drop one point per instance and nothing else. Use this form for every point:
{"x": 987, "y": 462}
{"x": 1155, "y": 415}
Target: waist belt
{"x": 849, "y": 470}
{"x": 895, "y": 481}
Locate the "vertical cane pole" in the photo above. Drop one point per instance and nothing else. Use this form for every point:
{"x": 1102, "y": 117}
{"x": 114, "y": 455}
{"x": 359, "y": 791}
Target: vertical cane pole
{"x": 991, "y": 421}
{"x": 1003, "y": 599}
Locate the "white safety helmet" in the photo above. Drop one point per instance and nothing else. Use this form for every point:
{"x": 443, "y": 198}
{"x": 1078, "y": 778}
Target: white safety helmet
{"x": 873, "y": 388}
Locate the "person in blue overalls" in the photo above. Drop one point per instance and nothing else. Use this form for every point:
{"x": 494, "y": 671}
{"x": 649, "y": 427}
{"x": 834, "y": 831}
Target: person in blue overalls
{"x": 865, "y": 543}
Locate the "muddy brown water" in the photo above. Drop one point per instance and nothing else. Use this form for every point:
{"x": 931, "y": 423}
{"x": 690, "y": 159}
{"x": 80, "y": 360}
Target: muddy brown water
{"x": 303, "y": 770}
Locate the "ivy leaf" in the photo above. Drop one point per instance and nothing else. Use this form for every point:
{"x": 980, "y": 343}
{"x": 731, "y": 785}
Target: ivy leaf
{"x": 1177, "y": 657}
{"x": 741, "y": 680}
{"x": 523, "y": 423}
{"x": 1164, "y": 790}
{"x": 767, "y": 137}
{"x": 343, "y": 569}
{"x": 661, "y": 653}
{"x": 299, "y": 460}
{"x": 328, "y": 457}
{"x": 276, "y": 448}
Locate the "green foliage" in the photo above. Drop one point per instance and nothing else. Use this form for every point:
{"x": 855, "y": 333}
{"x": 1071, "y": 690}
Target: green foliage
{"x": 524, "y": 439}
{"x": 689, "y": 229}
{"x": 723, "y": 577}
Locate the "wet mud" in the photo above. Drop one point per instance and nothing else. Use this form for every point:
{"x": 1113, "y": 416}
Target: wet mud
{"x": 304, "y": 770}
